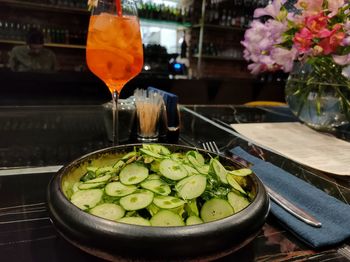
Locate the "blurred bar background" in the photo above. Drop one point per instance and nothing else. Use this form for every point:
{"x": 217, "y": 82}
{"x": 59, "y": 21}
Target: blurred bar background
{"x": 191, "y": 48}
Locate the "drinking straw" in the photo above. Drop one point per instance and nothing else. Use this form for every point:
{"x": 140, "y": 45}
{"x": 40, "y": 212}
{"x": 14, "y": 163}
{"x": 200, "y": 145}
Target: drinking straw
{"x": 119, "y": 7}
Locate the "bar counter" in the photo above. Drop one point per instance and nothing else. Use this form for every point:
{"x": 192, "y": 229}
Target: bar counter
{"x": 75, "y": 88}
{"x": 35, "y": 141}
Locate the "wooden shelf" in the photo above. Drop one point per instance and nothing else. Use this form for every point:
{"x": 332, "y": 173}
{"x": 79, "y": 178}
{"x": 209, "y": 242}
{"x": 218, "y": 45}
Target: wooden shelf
{"x": 44, "y": 7}
{"x": 65, "y": 46}
{"x": 15, "y": 42}
{"x": 160, "y": 23}
{"x": 12, "y": 42}
{"x": 224, "y": 58}
{"x": 75, "y": 10}
{"x": 242, "y": 76}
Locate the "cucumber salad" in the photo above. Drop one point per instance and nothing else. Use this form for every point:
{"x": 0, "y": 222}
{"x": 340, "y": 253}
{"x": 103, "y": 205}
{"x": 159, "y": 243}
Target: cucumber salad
{"x": 152, "y": 186}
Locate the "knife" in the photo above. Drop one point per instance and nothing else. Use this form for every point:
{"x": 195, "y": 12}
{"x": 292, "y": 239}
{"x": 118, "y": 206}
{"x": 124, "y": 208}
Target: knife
{"x": 293, "y": 209}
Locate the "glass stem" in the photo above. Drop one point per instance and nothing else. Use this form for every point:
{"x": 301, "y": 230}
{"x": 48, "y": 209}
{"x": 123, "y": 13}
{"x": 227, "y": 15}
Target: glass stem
{"x": 115, "y": 132}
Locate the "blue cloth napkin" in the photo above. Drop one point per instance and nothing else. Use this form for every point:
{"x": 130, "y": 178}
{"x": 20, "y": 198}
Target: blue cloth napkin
{"x": 331, "y": 212}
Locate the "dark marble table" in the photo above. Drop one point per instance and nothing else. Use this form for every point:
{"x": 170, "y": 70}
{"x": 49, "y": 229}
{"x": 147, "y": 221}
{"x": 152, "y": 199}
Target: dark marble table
{"x": 36, "y": 141}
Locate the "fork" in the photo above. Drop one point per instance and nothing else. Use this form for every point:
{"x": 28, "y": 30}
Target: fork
{"x": 211, "y": 146}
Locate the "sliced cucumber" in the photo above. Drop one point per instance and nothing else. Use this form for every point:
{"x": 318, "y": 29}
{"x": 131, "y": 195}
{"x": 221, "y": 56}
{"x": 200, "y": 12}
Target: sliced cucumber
{"x": 119, "y": 165}
{"x": 157, "y": 186}
{"x": 155, "y": 166}
{"x": 238, "y": 202}
{"x": 242, "y": 181}
{"x": 167, "y": 202}
{"x": 197, "y": 164}
{"x": 153, "y": 177}
{"x": 180, "y": 210}
{"x": 153, "y": 209}
{"x": 203, "y": 169}
{"x": 75, "y": 187}
{"x": 136, "y": 201}
{"x": 231, "y": 180}
{"x": 219, "y": 170}
{"x": 159, "y": 149}
{"x": 133, "y": 174}
{"x": 179, "y": 157}
{"x": 129, "y": 155}
{"x": 166, "y": 218}
{"x": 195, "y": 158}
{"x": 191, "y": 187}
{"x": 135, "y": 221}
{"x": 172, "y": 169}
{"x": 193, "y": 220}
{"x": 192, "y": 208}
{"x": 84, "y": 186}
{"x": 103, "y": 170}
{"x": 191, "y": 159}
{"x": 88, "y": 176}
{"x": 150, "y": 153}
{"x": 151, "y": 180}
{"x": 191, "y": 170}
{"x": 108, "y": 211}
{"x": 131, "y": 160}
{"x": 85, "y": 199}
{"x": 99, "y": 179}
{"x": 241, "y": 172}
{"x": 148, "y": 159}
{"x": 91, "y": 169}
{"x": 118, "y": 189}
{"x": 215, "y": 209}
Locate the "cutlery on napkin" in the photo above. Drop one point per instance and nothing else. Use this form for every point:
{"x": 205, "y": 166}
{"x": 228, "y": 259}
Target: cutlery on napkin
{"x": 331, "y": 212}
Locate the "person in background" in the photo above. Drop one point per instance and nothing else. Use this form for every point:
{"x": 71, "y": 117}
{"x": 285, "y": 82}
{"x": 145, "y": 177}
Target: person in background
{"x": 33, "y": 57}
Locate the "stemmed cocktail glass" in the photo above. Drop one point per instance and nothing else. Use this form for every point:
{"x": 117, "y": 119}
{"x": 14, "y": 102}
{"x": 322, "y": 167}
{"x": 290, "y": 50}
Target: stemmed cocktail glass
{"x": 114, "y": 50}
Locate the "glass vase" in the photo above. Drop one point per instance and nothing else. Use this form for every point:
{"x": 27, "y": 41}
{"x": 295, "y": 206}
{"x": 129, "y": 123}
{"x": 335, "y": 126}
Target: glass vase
{"x": 318, "y": 94}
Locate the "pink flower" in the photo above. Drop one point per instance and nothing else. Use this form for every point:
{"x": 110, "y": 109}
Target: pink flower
{"x": 334, "y": 5}
{"x": 272, "y": 9}
{"x": 317, "y": 25}
{"x": 259, "y": 42}
{"x": 346, "y": 41}
{"x": 310, "y": 6}
{"x": 256, "y": 68}
{"x": 318, "y": 29}
{"x": 341, "y": 59}
{"x": 330, "y": 44}
{"x": 284, "y": 57}
{"x": 302, "y": 40}
{"x": 346, "y": 28}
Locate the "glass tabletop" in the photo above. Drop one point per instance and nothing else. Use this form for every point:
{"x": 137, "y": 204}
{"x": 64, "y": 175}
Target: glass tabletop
{"x": 36, "y": 141}
{"x": 212, "y": 123}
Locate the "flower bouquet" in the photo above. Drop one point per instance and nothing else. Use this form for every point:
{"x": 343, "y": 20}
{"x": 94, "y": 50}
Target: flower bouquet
{"x": 310, "y": 39}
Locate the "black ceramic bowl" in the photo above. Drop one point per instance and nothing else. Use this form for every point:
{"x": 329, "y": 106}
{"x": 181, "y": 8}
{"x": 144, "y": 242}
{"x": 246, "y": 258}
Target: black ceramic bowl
{"x": 117, "y": 241}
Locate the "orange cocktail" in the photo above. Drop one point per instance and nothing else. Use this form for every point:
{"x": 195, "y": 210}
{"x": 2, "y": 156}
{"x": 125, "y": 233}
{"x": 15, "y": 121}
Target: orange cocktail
{"x": 114, "y": 52}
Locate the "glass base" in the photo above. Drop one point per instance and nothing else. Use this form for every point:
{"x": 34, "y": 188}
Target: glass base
{"x": 147, "y": 139}
{"x": 126, "y": 116}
